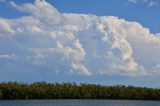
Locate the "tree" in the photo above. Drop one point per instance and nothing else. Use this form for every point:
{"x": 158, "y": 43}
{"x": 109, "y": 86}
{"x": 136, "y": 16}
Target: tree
{"x": 1, "y": 94}
{"x": 42, "y": 90}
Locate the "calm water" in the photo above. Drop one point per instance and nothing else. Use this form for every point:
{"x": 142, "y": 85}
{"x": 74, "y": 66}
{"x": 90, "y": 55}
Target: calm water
{"x": 78, "y": 103}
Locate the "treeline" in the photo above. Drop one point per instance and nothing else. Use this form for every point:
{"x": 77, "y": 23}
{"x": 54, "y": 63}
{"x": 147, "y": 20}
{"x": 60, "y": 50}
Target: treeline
{"x": 43, "y": 90}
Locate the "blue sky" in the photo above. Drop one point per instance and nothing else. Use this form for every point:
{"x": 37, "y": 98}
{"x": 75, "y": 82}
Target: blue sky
{"x": 94, "y": 41}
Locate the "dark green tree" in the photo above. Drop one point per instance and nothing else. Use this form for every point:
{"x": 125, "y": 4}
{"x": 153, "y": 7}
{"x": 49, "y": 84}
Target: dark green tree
{"x": 43, "y": 90}
{"x": 1, "y": 94}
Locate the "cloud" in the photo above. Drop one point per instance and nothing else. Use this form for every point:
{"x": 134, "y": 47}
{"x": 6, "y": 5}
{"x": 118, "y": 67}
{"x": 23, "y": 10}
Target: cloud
{"x": 132, "y": 1}
{"x": 7, "y": 57}
{"x": 5, "y": 28}
{"x": 77, "y": 44}
{"x": 150, "y": 3}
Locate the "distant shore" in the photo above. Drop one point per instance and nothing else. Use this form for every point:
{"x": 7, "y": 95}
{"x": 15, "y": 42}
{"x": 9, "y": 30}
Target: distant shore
{"x": 43, "y": 90}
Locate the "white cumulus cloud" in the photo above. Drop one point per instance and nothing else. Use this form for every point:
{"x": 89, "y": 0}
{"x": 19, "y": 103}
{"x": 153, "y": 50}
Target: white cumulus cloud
{"x": 77, "y": 44}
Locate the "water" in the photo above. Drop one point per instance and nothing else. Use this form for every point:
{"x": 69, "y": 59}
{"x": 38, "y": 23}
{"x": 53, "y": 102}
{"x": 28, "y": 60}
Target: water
{"x": 78, "y": 103}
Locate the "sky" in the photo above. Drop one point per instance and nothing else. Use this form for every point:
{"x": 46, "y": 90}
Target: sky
{"x": 93, "y": 41}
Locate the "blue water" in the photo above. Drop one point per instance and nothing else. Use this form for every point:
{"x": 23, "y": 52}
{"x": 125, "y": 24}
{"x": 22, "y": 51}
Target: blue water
{"x": 78, "y": 103}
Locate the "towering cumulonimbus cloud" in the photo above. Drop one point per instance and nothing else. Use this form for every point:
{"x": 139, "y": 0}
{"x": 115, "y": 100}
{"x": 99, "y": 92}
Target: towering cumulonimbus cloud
{"x": 76, "y": 44}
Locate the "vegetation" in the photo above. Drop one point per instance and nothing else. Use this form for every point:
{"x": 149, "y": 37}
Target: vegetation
{"x": 43, "y": 90}
{"x": 0, "y": 94}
